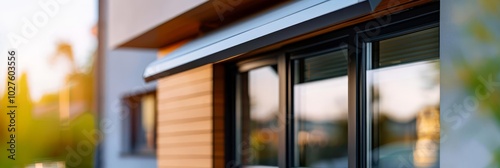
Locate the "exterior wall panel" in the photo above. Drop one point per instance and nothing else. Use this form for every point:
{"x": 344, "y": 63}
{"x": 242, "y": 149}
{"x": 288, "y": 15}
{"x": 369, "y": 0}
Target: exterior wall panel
{"x": 185, "y": 119}
{"x": 122, "y": 74}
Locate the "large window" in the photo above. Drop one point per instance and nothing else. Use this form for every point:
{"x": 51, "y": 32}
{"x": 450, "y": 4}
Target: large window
{"x": 362, "y": 96}
{"x": 403, "y": 87}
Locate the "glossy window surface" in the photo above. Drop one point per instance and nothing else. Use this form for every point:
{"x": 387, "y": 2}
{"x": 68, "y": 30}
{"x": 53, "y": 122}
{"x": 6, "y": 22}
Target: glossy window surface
{"x": 403, "y": 101}
{"x": 145, "y": 135}
{"x": 258, "y": 139}
{"x": 320, "y": 105}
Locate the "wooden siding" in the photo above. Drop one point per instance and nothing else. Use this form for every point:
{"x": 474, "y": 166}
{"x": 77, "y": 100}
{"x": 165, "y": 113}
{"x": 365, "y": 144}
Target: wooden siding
{"x": 186, "y": 119}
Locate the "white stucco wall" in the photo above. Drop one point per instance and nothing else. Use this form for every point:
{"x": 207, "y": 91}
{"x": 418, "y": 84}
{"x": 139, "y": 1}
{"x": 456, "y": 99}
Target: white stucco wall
{"x": 129, "y": 18}
{"x": 123, "y": 74}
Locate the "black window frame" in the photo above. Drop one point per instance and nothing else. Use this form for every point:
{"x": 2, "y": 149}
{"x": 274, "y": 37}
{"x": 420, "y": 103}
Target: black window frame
{"x": 354, "y": 38}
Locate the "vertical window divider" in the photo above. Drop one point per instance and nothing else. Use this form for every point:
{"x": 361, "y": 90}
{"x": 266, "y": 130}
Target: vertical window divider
{"x": 242, "y": 109}
{"x": 368, "y": 66}
{"x": 286, "y": 118}
{"x": 359, "y": 92}
{"x": 231, "y": 149}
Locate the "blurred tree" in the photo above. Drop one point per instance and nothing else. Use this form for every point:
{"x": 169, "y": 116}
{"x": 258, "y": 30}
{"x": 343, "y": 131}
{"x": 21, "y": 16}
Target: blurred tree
{"x": 45, "y": 136}
{"x": 483, "y": 38}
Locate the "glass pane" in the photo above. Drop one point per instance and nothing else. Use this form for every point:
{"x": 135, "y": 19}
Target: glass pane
{"x": 320, "y": 103}
{"x": 148, "y": 108}
{"x": 143, "y": 124}
{"x": 259, "y": 117}
{"x": 322, "y": 66}
{"x": 418, "y": 46}
{"x": 404, "y": 104}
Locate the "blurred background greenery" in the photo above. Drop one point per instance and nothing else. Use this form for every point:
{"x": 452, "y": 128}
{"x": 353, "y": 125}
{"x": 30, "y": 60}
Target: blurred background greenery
{"x": 55, "y": 91}
{"x": 50, "y": 130}
{"x": 474, "y": 49}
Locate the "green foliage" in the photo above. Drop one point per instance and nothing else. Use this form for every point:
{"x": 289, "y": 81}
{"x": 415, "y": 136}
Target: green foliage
{"x": 42, "y": 134}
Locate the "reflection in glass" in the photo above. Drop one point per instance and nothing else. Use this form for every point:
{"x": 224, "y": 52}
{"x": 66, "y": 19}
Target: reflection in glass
{"x": 148, "y": 108}
{"x": 404, "y": 101}
{"x": 259, "y": 117}
{"x": 320, "y": 103}
{"x": 140, "y": 127}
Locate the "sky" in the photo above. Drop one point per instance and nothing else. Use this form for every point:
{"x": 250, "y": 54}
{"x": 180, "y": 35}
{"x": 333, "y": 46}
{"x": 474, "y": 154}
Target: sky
{"x": 72, "y": 22}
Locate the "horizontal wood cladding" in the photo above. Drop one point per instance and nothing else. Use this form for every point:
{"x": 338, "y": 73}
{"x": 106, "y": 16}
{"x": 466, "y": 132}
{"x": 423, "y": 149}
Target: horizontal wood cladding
{"x": 185, "y": 103}
{"x": 198, "y": 138}
{"x": 185, "y": 119}
{"x": 187, "y": 150}
{"x": 186, "y": 115}
{"x": 187, "y": 77}
{"x": 185, "y": 162}
{"x": 194, "y": 89}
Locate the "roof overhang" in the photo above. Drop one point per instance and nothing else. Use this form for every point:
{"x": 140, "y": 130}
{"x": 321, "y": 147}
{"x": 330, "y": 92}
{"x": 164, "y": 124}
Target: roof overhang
{"x": 284, "y": 22}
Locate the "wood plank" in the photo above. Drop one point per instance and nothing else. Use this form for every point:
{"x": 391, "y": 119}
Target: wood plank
{"x": 186, "y": 150}
{"x": 199, "y": 87}
{"x": 164, "y": 110}
{"x": 187, "y": 77}
{"x": 188, "y": 120}
{"x": 166, "y": 106}
{"x": 195, "y": 138}
{"x": 187, "y": 94}
{"x": 191, "y": 126}
{"x": 181, "y": 82}
{"x": 202, "y": 111}
{"x": 183, "y": 133}
{"x": 176, "y": 162}
{"x": 178, "y": 144}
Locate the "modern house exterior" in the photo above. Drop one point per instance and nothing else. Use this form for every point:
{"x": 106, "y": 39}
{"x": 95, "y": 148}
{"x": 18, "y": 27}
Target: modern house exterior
{"x": 340, "y": 83}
